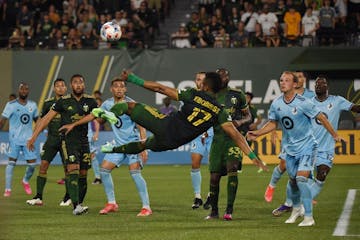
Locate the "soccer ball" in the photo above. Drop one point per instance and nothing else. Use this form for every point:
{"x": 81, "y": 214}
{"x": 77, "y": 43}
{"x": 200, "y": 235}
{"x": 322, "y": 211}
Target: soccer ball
{"x": 110, "y": 31}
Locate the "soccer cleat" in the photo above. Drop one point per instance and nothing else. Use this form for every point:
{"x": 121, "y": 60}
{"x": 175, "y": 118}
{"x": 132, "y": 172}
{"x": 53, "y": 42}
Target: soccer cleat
{"x": 212, "y": 215}
{"x": 65, "y": 203}
{"x": 107, "y": 148}
{"x": 197, "y": 203}
{"x": 35, "y": 202}
{"x": 296, "y": 212}
{"x": 227, "y": 217}
{"x": 97, "y": 181}
{"x": 144, "y": 212}
{"x": 280, "y": 210}
{"x": 207, "y": 204}
{"x": 269, "y": 193}
{"x": 307, "y": 222}
{"x": 7, "y": 193}
{"x": 79, "y": 210}
{"x": 61, "y": 181}
{"x": 109, "y": 116}
{"x": 109, "y": 207}
{"x": 27, "y": 188}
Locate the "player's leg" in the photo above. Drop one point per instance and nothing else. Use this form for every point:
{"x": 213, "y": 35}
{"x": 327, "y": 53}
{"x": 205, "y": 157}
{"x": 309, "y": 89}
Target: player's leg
{"x": 13, "y": 154}
{"x": 109, "y": 163}
{"x": 30, "y": 157}
{"x": 40, "y": 184}
{"x": 275, "y": 177}
{"x": 140, "y": 183}
{"x": 197, "y": 151}
{"x": 95, "y": 166}
{"x": 324, "y": 162}
{"x": 85, "y": 164}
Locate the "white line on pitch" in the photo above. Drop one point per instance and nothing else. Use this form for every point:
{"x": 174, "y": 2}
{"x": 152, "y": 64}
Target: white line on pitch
{"x": 343, "y": 222}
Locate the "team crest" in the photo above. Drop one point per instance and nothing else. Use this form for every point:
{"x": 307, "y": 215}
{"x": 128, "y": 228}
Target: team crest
{"x": 294, "y": 111}
{"x": 70, "y": 108}
{"x": 330, "y": 106}
{"x": 86, "y": 108}
{"x": 30, "y": 109}
{"x": 233, "y": 100}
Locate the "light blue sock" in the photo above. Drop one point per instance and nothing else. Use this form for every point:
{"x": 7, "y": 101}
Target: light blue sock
{"x": 316, "y": 188}
{"x": 29, "y": 172}
{"x": 276, "y": 175}
{"x": 305, "y": 193}
{"x": 293, "y": 194}
{"x": 141, "y": 187}
{"x": 96, "y": 167}
{"x": 196, "y": 180}
{"x": 9, "y": 170}
{"x": 108, "y": 184}
{"x": 289, "y": 201}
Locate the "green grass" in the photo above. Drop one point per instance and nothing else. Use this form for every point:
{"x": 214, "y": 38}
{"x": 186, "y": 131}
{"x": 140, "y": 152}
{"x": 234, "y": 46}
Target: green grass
{"x": 171, "y": 198}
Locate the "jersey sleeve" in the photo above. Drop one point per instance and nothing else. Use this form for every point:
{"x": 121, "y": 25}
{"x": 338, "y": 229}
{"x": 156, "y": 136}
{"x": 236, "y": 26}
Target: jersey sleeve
{"x": 36, "y": 112}
{"x": 309, "y": 108}
{"x": 272, "y": 112}
{"x": 343, "y": 104}
{"x": 7, "y": 111}
{"x": 224, "y": 117}
{"x": 58, "y": 106}
{"x": 242, "y": 101}
{"x": 185, "y": 95}
{"x": 45, "y": 109}
{"x": 92, "y": 104}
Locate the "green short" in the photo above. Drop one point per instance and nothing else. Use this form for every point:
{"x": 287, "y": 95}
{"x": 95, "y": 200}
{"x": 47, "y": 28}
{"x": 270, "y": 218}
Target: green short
{"x": 76, "y": 153}
{"x": 50, "y": 149}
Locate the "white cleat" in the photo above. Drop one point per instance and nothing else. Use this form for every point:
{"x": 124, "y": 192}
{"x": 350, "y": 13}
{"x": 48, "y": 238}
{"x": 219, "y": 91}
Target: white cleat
{"x": 35, "y": 202}
{"x": 296, "y": 212}
{"x": 80, "y": 210}
{"x": 302, "y": 210}
{"x": 65, "y": 203}
{"x": 307, "y": 222}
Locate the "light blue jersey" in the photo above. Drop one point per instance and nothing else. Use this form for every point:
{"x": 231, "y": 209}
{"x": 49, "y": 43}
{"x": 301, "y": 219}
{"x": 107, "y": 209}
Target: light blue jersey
{"x": 308, "y": 93}
{"x": 20, "y": 120}
{"x": 297, "y": 129}
{"x": 332, "y": 108}
{"x": 125, "y": 130}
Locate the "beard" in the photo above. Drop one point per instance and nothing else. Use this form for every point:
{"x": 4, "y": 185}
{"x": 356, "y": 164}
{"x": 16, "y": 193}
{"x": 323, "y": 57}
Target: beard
{"x": 23, "y": 97}
{"x": 78, "y": 93}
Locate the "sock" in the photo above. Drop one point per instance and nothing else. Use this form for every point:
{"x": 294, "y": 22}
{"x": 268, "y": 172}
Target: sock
{"x": 108, "y": 184}
{"x": 305, "y": 193}
{"x": 67, "y": 181}
{"x": 276, "y": 175}
{"x": 9, "y": 171}
{"x": 40, "y": 184}
{"x": 141, "y": 187}
{"x": 196, "y": 181}
{"x": 214, "y": 197}
{"x": 96, "y": 167}
{"x": 130, "y": 148}
{"x": 232, "y": 186}
{"x": 289, "y": 201}
{"x": 73, "y": 187}
{"x": 119, "y": 108}
{"x": 316, "y": 188}
{"x": 292, "y": 195}
{"x": 82, "y": 187}
{"x": 29, "y": 172}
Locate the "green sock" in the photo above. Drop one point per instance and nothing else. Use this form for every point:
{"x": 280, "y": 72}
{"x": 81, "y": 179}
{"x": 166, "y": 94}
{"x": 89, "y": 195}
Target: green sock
{"x": 130, "y": 148}
{"x": 232, "y": 186}
{"x": 119, "y": 108}
{"x": 40, "y": 184}
{"x": 214, "y": 197}
{"x": 82, "y": 188}
{"x": 73, "y": 188}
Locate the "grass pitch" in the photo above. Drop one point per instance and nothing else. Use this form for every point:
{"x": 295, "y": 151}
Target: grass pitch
{"x": 171, "y": 198}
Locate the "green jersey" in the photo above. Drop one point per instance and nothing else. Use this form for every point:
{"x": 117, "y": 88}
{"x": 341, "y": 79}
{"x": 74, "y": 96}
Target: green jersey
{"x": 244, "y": 128}
{"x": 72, "y": 110}
{"x": 55, "y": 123}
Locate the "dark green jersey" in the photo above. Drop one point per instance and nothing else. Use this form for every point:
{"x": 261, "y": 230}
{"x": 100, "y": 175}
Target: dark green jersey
{"x": 55, "y": 123}
{"x": 233, "y": 101}
{"x": 71, "y": 111}
{"x": 244, "y": 128}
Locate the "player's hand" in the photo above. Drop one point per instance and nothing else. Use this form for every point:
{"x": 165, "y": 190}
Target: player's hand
{"x": 251, "y": 135}
{"x": 203, "y": 137}
{"x": 144, "y": 156}
{"x": 66, "y": 128}
{"x": 31, "y": 144}
{"x": 95, "y": 137}
{"x": 262, "y": 165}
{"x": 125, "y": 73}
{"x": 338, "y": 138}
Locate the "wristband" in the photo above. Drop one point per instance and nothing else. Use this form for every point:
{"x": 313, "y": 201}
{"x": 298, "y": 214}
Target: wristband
{"x": 136, "y": 80}
{"x": 252, "y": 155}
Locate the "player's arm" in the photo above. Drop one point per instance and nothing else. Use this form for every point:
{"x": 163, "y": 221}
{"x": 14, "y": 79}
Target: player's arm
{"x": 268, "y": 127}
{"x": 41, "y": 124}
{"x": 97, "y": 129}
{"x": 241, "y": 142}
{"x": 327, "y": 125}
{"x": 355, "y": 108}
{"x": 257, "y": 122}
{"x": 150, "y": 85}
{"x": 246, "y": 117}
{"x": 68, "y": 127}
{"x": 2, "y": 122}
{"x": 142, "y": 131}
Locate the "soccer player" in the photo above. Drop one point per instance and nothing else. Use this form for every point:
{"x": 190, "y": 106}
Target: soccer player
{"x": 331, "y": 106}
{"x": 75, "y": 145}
{"x": 125, "y": 131}
{"x": 51, "y": 146}
{"x": 225, "y": 155}
{"x": 294, "y": 113}
{"x": 281, "y": 168}
{"x": 21, "y": 113}
{"x": 199, "y": 112}
{"x": 199, "y": 147}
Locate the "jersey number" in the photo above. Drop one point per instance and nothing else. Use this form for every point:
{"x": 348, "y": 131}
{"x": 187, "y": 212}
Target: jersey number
{"x": 197, "y": 121}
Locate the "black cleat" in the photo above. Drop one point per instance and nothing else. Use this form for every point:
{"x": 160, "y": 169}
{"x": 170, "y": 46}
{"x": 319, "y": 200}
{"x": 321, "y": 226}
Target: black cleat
{"x": 197, "y": 203}
{"x": 207, "y": 204}
{"x": 97, "y": 181}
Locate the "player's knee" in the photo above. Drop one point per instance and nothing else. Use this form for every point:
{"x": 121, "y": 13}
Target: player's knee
{"x": 292, "y": 182}
{"x": 105, "y": 171}
{"x": 282, "y": 166}
{"x": 12, "y": 163}
{"x": 321, "y": 175}
{"x": 215, "y": 178}
{"x": 134, "y": 172}
{"x": 301, "y": 179}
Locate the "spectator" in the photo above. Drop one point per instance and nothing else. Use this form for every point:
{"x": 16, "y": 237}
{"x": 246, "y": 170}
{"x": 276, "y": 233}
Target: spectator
{"x": 73, "y": 40}
{"x": 280, "y": 13}
{"x": 233, "y": 20}
{"x": 222, "y": 39}
{"x": 315, "y": 8}
{"x": 120, "y": 18}
{"x": 53, "y": 15}
{"x": 148, "y": 21}
{"x": 292, "y": 29}
{"x": 273, "y": 40}
{"x": 203, "y": 40}
{"x": 203, "y": 16}
{"x": 220, "y": 16}
{"x": 89, "y": 41}
{"x": 327, "y": 23}
{"x": 65, "y": 24}
{"x": 45, "y": 27}
{"x": 30, "y": 41}
{"x": 341, "y": 10}
{"x": 24, "y": 19}
{"x": 167, "y": 108}
{"x": 84, "y": 27}
{"x": 249, "y": 18}
{"x": 259, "y": 38}
{"x": 16, "y": 40}
{"x": 240, "y": 38}
{"x": 57, "y": 41}
{"x": 267, "y": 20}
{"x": 310, "y": 24}
{"x": 93, "y": 16}
{"x": 208, "y": 5}
{"x": 180, "y": 39}
{"x": 214, "y": 25}
{"x": 194, "y": 25}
